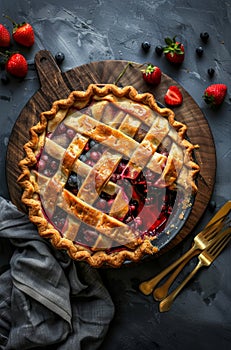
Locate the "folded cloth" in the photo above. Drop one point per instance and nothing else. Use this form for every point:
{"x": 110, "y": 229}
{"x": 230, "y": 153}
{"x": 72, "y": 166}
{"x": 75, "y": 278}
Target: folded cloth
{"x": 47, "y": 300}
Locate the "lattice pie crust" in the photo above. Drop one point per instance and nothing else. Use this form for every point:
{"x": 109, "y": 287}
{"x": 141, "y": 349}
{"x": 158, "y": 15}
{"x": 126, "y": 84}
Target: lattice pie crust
{"x": 79, "y": 154}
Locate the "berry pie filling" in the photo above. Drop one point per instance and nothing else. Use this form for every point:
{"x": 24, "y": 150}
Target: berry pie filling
{"x": 148, "y": 202}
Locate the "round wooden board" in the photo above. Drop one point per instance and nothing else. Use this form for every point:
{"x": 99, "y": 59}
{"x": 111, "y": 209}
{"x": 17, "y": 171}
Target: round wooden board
{"x": 56, "y": 85}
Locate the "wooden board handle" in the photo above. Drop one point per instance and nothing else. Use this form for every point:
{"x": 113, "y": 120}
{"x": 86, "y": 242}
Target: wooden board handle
{"x": 50, "y": 75}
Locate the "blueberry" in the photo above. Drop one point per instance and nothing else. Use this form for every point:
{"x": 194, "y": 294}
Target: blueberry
{"x": 159, "y": 50}
{"x": 146, "y": 46}
{"x": 204, "y": 37}
{"x": 4, "y": 78}
{"x": 59, "y": 57}
{"x": 211, "y": 72}
{"x": 199, "y": 51}
{"x": 212, "y": 206}
{"x": 83, "y": 158}
{"x": 73, "y": 182}
{"x": 92, "y": 143}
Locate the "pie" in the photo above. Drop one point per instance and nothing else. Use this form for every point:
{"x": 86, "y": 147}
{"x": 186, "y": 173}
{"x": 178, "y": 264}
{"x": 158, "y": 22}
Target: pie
{"x": 102, "y": 172}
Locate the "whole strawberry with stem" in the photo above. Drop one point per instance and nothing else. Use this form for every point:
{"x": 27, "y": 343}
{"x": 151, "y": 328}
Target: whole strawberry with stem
{"x": 4, "y": 36}
{"x": 215, "y": 94}
{"x": 23, "y": 33}
{"x": 152, "y": 74}
{"x": 15, "y": 64}
{"x": 174, "y": 50}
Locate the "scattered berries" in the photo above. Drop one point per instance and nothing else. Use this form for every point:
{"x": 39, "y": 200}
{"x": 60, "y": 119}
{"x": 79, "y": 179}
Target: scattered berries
{"x": 4, "y": 36}
{"x": 146, "y": 46}
{"x": 23, "y": 33}
{"x": 173, "y": 96}
{"x": 174, "y": 51}
{"x": 14, "y": 63}
{"x": 152, "y": 74}
{"x": 159, "y": 50}
{"x": 17, "y": 65}
{"x": 204, "y": 37}
{"x": 59, "y": 57}
{"x": 211, "y": 72}
{"x": 199, "y": 51}
{"x": 215, "y": 94}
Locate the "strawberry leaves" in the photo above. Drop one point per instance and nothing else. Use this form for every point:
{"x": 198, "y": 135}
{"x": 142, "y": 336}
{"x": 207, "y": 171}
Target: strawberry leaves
{"x": 174, "y": 50}
{"x": 173, "y": 46}
{"x": 152, "y": 74}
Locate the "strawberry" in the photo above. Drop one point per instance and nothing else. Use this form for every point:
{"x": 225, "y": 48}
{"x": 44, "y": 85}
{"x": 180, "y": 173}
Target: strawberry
{"x": 17, "y": 65}
{"x": 152, "y": 74}
{"x": 215, "y": 94}
{"x": 23, "y": 33}
{"x": 173, "y": 96}
{"x": 174, "y": 51}
{"x": 4, "y": 36}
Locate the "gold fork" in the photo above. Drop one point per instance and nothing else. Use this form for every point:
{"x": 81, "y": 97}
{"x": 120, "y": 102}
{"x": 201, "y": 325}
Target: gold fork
{"x": 206, "y": 258}
{"x": 161, "y": 292}
{"x": 201, "y": 241}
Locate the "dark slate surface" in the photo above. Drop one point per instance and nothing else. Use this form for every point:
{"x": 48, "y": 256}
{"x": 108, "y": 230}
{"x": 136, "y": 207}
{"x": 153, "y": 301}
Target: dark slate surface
{"x": 104, "y": 29}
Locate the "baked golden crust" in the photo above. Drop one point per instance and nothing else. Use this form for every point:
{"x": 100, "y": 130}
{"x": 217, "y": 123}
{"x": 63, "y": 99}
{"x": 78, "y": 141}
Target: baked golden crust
{"x": 44, "y": 194}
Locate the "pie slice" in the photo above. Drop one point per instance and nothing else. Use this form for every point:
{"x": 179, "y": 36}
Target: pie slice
{"x": 102, "y": 172}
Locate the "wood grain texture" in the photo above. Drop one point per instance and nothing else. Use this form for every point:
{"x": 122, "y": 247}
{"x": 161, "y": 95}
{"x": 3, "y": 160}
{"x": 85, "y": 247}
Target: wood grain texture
{"x": 56, "y": 85}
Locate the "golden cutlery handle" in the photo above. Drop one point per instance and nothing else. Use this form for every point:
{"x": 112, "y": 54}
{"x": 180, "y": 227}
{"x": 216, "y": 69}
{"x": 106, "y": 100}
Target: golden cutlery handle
{"x": 222, "y": 212}
{"x": 161, "y": 292}
{"x": 166, "y": 303}
{"x": 147, "y": 287}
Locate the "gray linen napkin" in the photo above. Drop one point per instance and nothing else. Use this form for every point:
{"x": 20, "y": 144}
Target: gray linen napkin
{"x": 46, "y": 299}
